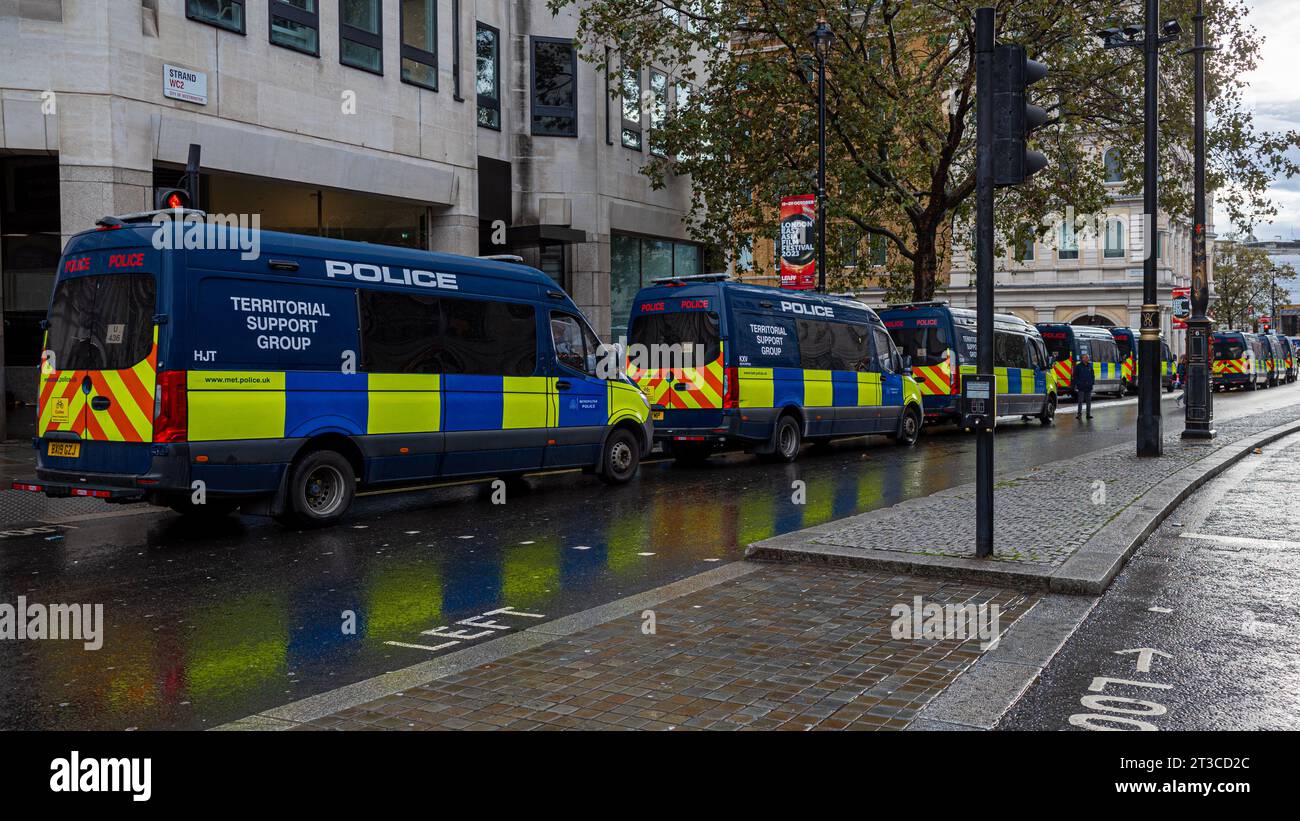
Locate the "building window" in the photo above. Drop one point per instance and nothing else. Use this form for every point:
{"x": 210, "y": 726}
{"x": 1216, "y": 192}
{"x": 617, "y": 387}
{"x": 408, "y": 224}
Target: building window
{"x": 1069, "y": 242}
{"x": 295, "y": 24}
{"x": 1114, "y": 248}
{"x": 1162, "y": 244}
{"x": 1025, "y": 251}
{"x": 361, "y": 41}
{"x": 226, "y": 14}
{"x": 1111, "y": 159}
{"x": 555, "y": 77}
{"x": 631, "y": 132}
{"x": 635, "y": 262}
{"x": 879, "y": 250}
{"x": 420, "y": 43}
{"x": 658, "y": 111}
{"x": 487, "y": 75}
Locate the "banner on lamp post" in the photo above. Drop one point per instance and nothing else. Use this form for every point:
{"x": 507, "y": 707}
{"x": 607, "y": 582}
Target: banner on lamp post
{"x": 1182, "y": 307}
{"x": 798, "y": 265}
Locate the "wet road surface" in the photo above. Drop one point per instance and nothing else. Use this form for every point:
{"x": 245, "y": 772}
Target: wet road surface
{"x": 1212, "y": 603}
{"x": 208, "y": 624}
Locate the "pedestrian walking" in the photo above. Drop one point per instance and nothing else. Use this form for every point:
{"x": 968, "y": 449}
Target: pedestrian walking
{"x": 1083, "y": 382}
{"x": 1181, "y": 376}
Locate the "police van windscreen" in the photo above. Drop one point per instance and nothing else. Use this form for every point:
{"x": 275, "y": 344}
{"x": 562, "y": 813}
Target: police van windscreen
{"x": 1229, "y": 348}
{"x": 1058, "y": 345}
{"x": 673, "y": 340}
{"x": 101, "y": 322}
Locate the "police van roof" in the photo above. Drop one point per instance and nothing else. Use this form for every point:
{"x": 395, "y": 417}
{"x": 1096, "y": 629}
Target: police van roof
{"x": 129, "y": 231}
{"x": 756, "y": 290}
{"x": 966, "y": 316}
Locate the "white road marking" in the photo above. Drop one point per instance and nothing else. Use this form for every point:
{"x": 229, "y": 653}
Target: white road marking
{"x": 1144, "y": 656}
{"x": 1159, "y": 610}
{"x": 423, "y": 646}
{"x": 1243, "y": 541}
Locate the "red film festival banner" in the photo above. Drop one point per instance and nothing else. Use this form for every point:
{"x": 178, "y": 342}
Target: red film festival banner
{"x": 798, "y": 229}
{"x": 1182, "y": 307}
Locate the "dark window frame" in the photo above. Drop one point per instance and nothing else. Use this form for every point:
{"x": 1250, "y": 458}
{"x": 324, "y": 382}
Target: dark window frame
{"x": 362, "y": 37}
{"x": 658, "y": 111}
{"x": 243, "y": 17}
{"x": 416, "y": 54}
{"x": 282, "y": 8}
{"x": 629, "y": 127}
{"x": 535, "y": 110}
{"x": 485, "y": 102}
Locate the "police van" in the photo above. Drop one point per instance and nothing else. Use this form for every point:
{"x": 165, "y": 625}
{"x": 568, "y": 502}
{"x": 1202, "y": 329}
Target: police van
{"x": 279, "y": 384}
{"x": 1069, "y": 343}
{"x": 942, "y": 346}
{"x": 1129, "y": 360}
{"x": 730, "y": 364}
{"x": 1276, "y": 351}
{"x": 1239, "y": 361}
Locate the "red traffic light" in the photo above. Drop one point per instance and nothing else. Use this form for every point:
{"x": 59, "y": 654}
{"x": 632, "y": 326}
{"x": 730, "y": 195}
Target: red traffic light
{"x": 171, "y": 198}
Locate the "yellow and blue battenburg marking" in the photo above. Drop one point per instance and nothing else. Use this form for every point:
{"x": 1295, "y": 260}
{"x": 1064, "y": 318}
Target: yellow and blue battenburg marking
{"x": 1015, "y": 381}
{"x": 778, "y": 387}
{"x": 228, "y": 405}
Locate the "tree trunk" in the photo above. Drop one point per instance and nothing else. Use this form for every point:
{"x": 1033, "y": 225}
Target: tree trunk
{"x": 925, "y": 265}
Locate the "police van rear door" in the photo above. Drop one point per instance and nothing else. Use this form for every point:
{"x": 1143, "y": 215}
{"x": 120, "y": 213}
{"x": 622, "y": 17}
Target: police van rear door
{"x": 96, "y": 404}
{"x": 675, "y": 349}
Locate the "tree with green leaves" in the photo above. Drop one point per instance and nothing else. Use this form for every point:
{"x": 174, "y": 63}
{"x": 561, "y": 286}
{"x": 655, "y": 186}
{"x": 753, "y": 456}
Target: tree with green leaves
{"x": 1247, "y": 283}
{"x": 900, "y": 115}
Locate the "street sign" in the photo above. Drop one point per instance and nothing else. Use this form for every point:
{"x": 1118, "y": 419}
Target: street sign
{"x": 798, "y": 231}
{"x": 185, "y": 84}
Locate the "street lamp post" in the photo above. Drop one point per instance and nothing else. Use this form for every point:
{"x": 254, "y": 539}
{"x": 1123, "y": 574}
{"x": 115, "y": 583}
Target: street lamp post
{"x": 821, "y": 37}
{"x": 1199, "y": 397}
{"x": 1149, "y": 37}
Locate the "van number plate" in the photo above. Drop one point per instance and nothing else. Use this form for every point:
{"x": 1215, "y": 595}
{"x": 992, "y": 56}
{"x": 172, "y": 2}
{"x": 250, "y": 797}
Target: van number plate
{"x": 657, "y": 416}
{"x": 70, "y": 450}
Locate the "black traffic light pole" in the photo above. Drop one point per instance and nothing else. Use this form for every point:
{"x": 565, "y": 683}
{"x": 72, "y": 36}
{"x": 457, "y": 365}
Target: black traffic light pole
{"x": 1199, "y": 397}
{"x": 984, "y": 268}
{"x": 821, "y": 37}
{"x": 192, "y": 174}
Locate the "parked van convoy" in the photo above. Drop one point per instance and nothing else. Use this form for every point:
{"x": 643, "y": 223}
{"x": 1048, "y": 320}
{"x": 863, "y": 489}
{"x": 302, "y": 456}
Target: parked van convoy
{"x": 1239, "y": 361}
{"x": 770, "y": 368}
{"x": 1068, "y": 343}
{"x": 203, "y": 381}
{"x": 941, "y": 344}
{"x": 1130, "y": 360}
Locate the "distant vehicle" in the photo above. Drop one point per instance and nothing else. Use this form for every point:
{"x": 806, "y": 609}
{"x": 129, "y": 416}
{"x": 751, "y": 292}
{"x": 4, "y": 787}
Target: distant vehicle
{"x": 1067, "y": 345}
{"x": 770, "y": 368}
{"x": 1239, "y": 361}
{"x": 941, "y": 343}
{"x": 1130, "y": 360}
{"x": 206, "y": 382}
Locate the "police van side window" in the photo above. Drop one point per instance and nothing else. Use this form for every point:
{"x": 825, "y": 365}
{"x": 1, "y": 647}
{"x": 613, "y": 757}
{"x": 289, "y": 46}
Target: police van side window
{"x": 400, "y": 333}
{"x": 489, "y": 338}
{"x": 850, "y": 347}
{"x": 576, "y": 346}
{"x": 885, "y": 351}
{"x": 815, "y": 340}
{"x": 1010, "y": 350}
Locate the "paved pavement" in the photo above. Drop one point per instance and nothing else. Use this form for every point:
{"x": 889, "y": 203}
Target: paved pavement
{"x": 1212, "y": 599}
{"x": 787, "y": 647}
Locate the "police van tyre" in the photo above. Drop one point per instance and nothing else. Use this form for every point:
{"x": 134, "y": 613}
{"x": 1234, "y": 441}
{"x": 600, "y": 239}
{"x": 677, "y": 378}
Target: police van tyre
{"x": 909, "y": 428}
{"x": 620, "y": 458}
{"x": 1049, "y": 412}
{"x": 321, "y": 488}
{"x": 787, "y": 439}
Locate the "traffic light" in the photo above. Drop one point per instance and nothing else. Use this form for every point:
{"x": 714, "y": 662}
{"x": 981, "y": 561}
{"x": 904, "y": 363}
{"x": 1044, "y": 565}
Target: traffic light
{"x": 1013, "y": 117}
{"x": 168, "y": 198}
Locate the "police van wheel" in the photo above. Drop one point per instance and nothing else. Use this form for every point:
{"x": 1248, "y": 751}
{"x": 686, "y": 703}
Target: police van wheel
{"x": 909, "y": 428}
{"x": 321, "y": 488}
{"x": 1049, "y": 412}
{"x": 787, "y": 439}
{"x": 621, "y": 457}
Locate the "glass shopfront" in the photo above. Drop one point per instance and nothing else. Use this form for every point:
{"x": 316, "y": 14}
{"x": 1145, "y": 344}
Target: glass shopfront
{"x": 635, "y": 262}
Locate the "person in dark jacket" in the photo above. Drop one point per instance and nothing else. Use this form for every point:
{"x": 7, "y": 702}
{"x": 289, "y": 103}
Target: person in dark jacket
{"x": 1083, "y": 382}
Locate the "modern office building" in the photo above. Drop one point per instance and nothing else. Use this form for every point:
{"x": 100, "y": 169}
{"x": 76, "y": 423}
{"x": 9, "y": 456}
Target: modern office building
{"x": 456, "y": 125}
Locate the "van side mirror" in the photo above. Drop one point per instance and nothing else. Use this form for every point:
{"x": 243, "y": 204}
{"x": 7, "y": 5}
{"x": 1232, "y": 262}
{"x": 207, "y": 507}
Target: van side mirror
{"x": 907, "y": 364}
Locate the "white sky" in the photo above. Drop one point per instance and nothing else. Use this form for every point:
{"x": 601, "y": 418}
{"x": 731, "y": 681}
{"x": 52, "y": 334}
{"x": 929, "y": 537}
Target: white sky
{"x": 1274, "y": 97}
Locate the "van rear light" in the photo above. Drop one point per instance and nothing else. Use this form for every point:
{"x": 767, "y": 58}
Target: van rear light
{"x": 170, "y": 408}
{"x": 730, "y": 388}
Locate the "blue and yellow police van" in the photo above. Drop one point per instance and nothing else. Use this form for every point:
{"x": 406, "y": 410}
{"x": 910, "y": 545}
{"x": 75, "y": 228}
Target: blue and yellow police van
{"x": 281, "y": 383}
{"x": 1129, "y": 360}
{"x": 1068, "y": 344}
{"x": 1277, "y": 351}
{"x": 941, "y": 345}
{"x": 1239, "y": 361}
{"x": 728, "y": 364}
